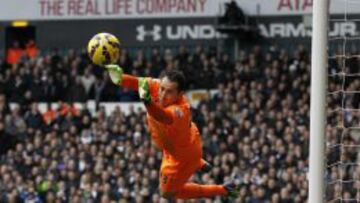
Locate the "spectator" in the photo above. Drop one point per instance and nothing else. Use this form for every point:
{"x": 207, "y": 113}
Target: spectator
{"x": 97, "y": 90}
{"x": 88, "y": 80}
{"x": 255, "y": 128}
{"x": 14, "y": 53}
{"x": 49, "y": 115}
{"x": 33, "y": 118}
{"x": 4, "y": 106}
{"x": 31, "y": 49}
{"x": 77, "y": 91}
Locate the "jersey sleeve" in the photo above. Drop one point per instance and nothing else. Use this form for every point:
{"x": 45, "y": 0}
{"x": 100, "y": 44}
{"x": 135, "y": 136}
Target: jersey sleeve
{"x": 132, "y": 82}
{"x": 129, "y": 81}
{"x": 180, "y": 115}
{"x": 154, "y": 85}
{"x": 159, "y": 114}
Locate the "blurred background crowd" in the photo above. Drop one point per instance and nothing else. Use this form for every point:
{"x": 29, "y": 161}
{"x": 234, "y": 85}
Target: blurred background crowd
{"x": 255, "y": 128}
{"x": 71, "y": 77}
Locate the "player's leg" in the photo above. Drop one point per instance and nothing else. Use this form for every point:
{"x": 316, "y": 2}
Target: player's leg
{"x": 172, "y": 179}
{"x": 193, "y": 190}
{"x": 173, "y": 184}
{"x": 205, "y": 166}
{"x": 174, "y": 175}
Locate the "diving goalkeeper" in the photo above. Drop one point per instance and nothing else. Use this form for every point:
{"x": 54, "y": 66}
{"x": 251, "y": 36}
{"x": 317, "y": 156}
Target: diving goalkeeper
{"x": 171, "y": 128}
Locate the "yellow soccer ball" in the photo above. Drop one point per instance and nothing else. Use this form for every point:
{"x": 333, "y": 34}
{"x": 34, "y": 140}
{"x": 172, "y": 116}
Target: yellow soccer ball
{"x": 103, "y": 49}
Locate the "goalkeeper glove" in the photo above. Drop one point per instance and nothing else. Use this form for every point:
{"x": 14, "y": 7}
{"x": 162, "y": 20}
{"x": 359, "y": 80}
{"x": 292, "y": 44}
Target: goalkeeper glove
{"x": 144, "y": 90}
{"x": 115, "y": 73}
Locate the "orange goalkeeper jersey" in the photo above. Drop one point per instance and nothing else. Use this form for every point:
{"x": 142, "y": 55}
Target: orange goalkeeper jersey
{"x": 181, "y": 135}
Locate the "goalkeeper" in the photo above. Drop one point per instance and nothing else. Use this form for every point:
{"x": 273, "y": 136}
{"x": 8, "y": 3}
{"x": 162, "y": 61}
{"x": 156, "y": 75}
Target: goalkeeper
{"x": 170, "y": 126}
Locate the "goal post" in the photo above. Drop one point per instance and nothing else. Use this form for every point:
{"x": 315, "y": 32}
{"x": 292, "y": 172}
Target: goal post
{"x": 318, "y": 93}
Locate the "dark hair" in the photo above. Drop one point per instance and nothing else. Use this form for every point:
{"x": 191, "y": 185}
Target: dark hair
{"x": 176, "y": 76}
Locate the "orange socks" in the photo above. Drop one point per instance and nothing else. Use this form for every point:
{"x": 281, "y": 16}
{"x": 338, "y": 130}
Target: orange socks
{"x": 192, "y": 190}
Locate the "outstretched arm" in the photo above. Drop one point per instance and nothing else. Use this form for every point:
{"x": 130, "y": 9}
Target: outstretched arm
{"x": 142, "y": 85}
{"x": 160, "y": 114}
{"x": 119, "y": 78}
{"x": 130, "y": 82}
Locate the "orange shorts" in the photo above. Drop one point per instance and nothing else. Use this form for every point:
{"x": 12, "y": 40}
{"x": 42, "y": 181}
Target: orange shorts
{"x": 174, "y": 173}
{"x": 173, "y": 177}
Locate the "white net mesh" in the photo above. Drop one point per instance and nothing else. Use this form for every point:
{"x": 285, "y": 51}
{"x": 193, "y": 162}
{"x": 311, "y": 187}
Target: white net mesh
{"x": 343, "y": 112}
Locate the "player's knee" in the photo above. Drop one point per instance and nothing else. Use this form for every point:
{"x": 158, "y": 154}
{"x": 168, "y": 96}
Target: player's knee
{"x": 166, "y": 195}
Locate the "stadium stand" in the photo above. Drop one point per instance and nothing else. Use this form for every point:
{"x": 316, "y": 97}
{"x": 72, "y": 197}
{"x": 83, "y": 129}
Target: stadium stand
{"x": 256, "y": 128}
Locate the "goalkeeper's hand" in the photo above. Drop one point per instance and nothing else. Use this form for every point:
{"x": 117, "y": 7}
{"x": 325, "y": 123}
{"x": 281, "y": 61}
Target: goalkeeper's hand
{"x": 115, "y": 73}
{"x": 144, "y": 91}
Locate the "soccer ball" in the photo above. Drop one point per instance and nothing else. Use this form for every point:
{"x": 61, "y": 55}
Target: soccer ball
{"x": 103, "y": 49}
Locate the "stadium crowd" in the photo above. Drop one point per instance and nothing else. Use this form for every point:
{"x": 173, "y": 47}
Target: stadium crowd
{"x": 256, "y": 128}
{"x": 71, "y": 77}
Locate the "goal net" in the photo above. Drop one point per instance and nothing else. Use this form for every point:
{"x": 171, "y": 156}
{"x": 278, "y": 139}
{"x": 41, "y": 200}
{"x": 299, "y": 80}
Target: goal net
{"x": 342, "y": 175}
